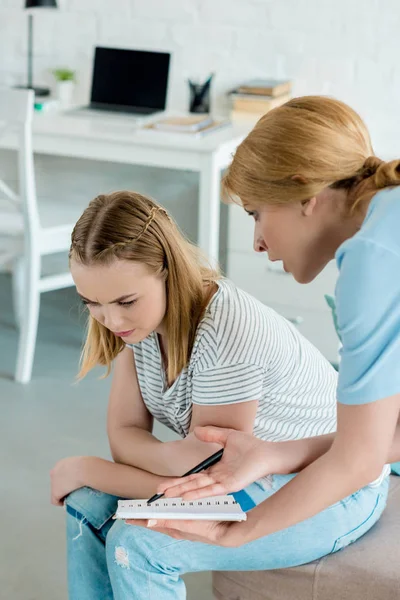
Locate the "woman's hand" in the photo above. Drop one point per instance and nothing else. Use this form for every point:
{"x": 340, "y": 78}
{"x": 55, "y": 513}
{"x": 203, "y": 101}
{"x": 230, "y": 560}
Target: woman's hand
{"x": 229, "y": 535}
{"x": 245, "y": 459}
{"x": 66, "y": 476}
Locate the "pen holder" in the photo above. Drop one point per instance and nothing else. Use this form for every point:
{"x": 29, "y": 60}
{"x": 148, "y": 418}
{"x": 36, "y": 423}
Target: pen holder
{"x": 200, "y": 96}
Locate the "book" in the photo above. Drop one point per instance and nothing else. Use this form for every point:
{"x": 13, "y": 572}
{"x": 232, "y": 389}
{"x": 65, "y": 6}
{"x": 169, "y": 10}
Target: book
{"x": 188, "y": 124}
{"x": 266, "y": 87}
{"x": 218, "y": 508}
{"x": 245, "y": 117}
{"x": 258, "y": 104}
{"x": 213, "y": 125}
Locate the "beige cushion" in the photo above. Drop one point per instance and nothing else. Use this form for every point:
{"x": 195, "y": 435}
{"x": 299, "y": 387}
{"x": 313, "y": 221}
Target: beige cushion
{"x": 369, "y": 569}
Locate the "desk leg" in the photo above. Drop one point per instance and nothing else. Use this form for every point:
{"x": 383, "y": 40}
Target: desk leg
{"x": 209, "y": 208}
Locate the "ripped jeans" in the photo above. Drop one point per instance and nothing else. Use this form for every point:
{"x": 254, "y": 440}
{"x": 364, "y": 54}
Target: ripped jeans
{"x": 109, "y": 560}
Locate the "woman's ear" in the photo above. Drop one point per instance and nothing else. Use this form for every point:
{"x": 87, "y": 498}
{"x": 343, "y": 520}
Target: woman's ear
{"x": 308, "y": 206}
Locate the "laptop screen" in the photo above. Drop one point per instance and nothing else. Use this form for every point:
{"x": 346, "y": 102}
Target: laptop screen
{"x": 130, "y": 78}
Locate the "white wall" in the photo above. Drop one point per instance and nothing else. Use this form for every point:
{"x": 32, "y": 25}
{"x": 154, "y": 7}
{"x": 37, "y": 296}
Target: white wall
{"x": 347, "y": 48}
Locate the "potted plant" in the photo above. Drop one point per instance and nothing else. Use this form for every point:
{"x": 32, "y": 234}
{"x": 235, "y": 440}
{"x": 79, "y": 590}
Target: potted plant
{"x": 65, "y": 79}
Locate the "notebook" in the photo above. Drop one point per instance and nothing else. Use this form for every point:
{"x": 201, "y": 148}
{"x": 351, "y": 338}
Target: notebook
{"x": 218, "y": 508}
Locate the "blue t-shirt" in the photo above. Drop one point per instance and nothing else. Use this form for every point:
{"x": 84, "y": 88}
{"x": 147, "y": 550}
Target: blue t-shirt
{"x": 368, "y": 304}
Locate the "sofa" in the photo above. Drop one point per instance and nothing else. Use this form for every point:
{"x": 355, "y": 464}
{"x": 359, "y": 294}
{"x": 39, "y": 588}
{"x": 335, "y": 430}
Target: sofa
{"x": 369, "y": 569}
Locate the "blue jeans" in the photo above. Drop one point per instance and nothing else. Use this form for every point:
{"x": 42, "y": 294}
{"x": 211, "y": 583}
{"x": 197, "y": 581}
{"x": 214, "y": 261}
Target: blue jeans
{"x": 110, "y": 560}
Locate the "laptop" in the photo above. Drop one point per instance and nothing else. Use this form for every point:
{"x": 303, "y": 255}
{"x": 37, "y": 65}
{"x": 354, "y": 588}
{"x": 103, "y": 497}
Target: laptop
{"x": 129, "y": 81}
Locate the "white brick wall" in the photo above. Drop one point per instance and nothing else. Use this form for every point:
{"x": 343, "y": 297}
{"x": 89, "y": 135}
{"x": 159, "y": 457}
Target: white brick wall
{"x": 346, "y": 48}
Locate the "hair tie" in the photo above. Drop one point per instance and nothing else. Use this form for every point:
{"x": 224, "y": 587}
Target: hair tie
{"x": 370, "y": 166}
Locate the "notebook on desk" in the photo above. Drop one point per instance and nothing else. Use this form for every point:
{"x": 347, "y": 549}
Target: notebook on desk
{"x": 218, "y": 508}
{"x": 128, "y": 81}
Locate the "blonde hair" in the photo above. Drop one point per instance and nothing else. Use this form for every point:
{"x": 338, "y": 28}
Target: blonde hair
{"x": 321, "y": 140}
{"x": 128, "y": 226}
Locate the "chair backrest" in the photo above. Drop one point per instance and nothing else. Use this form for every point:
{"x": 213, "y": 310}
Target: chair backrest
{"x": 16, "y": 114}
{"x": 16, "y": 106}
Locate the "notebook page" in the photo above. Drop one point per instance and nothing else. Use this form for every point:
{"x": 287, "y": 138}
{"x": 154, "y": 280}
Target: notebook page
{"x": 218, "y": 508}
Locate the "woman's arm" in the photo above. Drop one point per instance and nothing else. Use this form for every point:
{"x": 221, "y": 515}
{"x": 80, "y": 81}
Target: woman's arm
{"x": 247, "y": 458}
{"x": 394, "y": 455}
{"x": 355, "y": 458}
{"x": 294, "y": 456}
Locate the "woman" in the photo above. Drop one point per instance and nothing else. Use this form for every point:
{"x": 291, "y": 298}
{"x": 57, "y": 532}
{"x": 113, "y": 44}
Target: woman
{"x": 308, "y": 176}
{"x": 190, "y": 349}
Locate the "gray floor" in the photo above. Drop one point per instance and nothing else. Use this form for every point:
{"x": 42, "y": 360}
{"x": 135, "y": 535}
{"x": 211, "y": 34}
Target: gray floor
{"x": 40, "y": 423}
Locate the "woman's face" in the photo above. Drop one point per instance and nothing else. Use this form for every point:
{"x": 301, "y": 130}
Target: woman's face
{"x": 297, "y": 234}
{"x": 124, "y": 296}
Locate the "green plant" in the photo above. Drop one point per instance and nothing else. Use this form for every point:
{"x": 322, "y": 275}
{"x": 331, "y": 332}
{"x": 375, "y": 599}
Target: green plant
{"x": 64, "y": 74}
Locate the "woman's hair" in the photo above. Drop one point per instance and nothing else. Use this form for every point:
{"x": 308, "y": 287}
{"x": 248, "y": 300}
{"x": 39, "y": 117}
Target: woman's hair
{"x": 128, "y": 226}
{"x": 321, "y": 140}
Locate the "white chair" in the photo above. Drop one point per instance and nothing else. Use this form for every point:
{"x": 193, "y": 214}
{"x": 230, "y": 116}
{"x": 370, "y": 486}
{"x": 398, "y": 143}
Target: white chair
{"x": 28, "y": 231}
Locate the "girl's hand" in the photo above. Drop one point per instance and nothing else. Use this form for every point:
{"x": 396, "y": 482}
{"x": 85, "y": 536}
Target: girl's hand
{"x": 66, "y": 476}
{"x": 245, "y": 459}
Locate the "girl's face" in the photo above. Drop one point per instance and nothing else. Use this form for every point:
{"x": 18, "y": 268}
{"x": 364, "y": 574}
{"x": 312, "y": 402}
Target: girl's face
{"x": 298, "y": 234}
{"x": 124, "y": 296}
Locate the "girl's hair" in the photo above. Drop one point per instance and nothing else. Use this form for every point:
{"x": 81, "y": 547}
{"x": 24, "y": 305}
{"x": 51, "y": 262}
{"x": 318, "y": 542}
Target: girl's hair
{"x": 321, "y": 140}
{"x": 128, "y": 226}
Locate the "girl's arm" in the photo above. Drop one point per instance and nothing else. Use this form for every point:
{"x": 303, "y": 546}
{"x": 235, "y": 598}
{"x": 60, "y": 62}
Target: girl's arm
{"x": 116, "y": 479}
{"x": 129, "y": 423}
{"x": 72, "y": 473}
{"x": 191, "y": 451}
{"x": 224, "y": 396}
{"x": 129, "y": 426}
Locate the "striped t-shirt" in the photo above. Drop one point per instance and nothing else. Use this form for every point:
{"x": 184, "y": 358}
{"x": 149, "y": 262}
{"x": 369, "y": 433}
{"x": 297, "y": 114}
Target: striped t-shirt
{"x": 244, "y": 351}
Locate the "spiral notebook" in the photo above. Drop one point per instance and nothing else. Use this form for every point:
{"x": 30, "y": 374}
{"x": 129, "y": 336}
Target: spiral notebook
{"x": 218, "y": 508}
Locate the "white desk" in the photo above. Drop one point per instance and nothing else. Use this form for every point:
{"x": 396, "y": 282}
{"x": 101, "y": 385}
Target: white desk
{"x": 119, "y": 139}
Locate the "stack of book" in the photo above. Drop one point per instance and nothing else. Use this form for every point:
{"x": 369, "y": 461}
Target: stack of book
{"x": 255, "y": 98}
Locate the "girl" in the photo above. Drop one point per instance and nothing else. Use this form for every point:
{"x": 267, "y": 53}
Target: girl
{"x": 189, "y": 349}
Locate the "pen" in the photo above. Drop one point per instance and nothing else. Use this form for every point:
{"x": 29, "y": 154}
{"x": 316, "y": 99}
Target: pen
{"x": 208, "y": 462}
